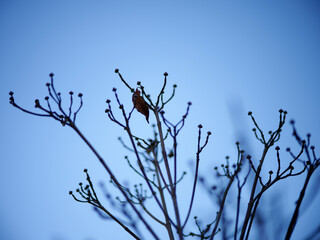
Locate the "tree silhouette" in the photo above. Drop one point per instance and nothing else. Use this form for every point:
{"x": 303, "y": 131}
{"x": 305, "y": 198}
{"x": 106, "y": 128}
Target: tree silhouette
{"x": 157, "y": 167}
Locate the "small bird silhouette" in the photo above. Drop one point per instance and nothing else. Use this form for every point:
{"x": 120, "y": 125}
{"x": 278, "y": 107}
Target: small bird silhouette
{"x": 140, "y": 104}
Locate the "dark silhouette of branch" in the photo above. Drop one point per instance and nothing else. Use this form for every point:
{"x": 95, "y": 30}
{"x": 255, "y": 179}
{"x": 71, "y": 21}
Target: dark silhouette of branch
{"x": 311, "y": 165}
{"x": 89, "y": 195}
{"x": 155, "y": 160}
{"x": 64, "y": 119}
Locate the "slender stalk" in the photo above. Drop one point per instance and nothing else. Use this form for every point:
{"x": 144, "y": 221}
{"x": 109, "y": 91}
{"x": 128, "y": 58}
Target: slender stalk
{"x": 120, "y": 223}
{"x": 175, "y": 155}
{"x": 252, "y": 217}
{"x": 254, "y": 186}
{"x": 294, "y": 218}
{"x": 163, "y": 148}
{"x": 238, "y": 209}
{"x": 114, "y": 179}
{"x": 150, "y": 214}
{"x": 194, "y": 180}
{"x": 221, "y": 208}
{"x": 172, "y": 186}
{"x": 240, "y": 186}
{"x": 163, "y": 201}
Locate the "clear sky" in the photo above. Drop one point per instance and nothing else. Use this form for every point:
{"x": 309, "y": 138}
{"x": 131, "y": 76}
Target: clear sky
{"x": 227, "y": 57}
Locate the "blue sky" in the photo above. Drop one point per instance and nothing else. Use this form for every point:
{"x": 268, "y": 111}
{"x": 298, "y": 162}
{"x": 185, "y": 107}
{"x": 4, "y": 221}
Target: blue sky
{"x": 227, "y": 57}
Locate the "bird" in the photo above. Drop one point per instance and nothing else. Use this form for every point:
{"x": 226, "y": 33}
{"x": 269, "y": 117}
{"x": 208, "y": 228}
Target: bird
{"x": 140, "y": 104}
